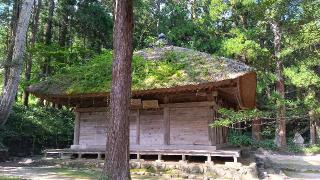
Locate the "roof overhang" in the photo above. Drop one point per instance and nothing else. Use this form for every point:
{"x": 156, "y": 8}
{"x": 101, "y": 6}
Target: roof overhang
{"x": 240, "y": 90}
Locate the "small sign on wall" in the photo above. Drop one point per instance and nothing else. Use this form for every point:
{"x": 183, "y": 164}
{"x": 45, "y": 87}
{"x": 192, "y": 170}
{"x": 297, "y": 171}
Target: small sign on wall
{"x": 150, "y": 104}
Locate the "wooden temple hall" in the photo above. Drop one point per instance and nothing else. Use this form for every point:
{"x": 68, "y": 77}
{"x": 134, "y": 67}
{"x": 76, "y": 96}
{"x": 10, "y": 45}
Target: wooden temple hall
{"x": 172, "y": 120}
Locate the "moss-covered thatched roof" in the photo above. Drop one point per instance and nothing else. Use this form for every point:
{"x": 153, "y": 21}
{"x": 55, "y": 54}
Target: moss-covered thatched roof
{"x": 152, "y": 68}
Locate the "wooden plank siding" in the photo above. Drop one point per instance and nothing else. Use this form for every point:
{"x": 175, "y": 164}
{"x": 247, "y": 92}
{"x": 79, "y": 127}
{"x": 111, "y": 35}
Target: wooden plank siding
{"x": 178, "y": 124}
{"x": 151, "y": 127}
{"x": 92, "y": 128}
{"x": 189, "y": 126}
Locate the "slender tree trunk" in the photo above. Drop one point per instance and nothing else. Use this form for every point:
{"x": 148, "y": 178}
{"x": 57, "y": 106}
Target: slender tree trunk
{"x": 48, "y": 37}
{"x": 117, "y": 150}
{"x": 10, "y": 89}
{"x": 313, "y": 128}
{"x": 317, "y": 129}
{"x": 280, "y": 138}
{"x": 63, "y": 35}
{"x": 256, "y": 129}
{"x": 35, "y": 27}
{"x": 13, "y": 26}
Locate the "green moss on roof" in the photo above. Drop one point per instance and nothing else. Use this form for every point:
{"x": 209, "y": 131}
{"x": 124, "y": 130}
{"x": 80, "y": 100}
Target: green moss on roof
{"x": 152, "y": 68}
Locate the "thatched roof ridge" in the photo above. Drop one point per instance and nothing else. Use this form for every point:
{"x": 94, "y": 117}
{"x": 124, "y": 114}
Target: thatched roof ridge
{"x": 225, "y": 68}
{"x": 196, "y": 68}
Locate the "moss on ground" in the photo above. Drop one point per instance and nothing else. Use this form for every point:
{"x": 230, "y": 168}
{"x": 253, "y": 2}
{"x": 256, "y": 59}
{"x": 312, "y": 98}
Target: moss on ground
{"x": 9, "y": 178}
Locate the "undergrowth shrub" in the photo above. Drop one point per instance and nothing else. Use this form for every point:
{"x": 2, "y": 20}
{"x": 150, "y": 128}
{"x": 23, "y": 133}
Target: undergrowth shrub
{"x": 29, "y": 130}
{"x": 239, "y": 139}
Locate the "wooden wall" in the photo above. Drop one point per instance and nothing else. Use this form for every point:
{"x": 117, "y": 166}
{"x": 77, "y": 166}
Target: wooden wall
{"x": 171, "y": 124}
{"x": 92, "y": 128}
{"x": 189, "y": 125}
{"x": 151, "y": 127}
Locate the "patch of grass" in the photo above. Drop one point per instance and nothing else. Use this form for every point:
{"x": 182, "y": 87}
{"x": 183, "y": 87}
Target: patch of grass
{"x": 9, "y": 178}
{"x": 314, "y": 149}
{"x": 151, "y": 170}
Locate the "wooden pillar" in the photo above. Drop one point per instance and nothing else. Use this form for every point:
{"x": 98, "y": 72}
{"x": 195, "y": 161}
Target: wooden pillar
{"x": 256, "y": 129}
{"x": 210, "y": 129}
{"x": 235, "y": 159}
{"x": 212, "y": 116}
{"x": 166, "y": 117}
{"x": 183, "y": 157}
{"x": 209, "y": 158}
{"x": 138, "y": 127}
{"x": 76, "y": 133}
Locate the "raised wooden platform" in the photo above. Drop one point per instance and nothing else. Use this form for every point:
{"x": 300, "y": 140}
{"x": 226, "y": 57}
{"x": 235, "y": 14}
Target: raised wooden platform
{"x": 165, "y": 150}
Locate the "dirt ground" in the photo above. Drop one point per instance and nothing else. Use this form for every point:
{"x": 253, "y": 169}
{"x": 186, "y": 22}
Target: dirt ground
{"x": 276, "y": 167}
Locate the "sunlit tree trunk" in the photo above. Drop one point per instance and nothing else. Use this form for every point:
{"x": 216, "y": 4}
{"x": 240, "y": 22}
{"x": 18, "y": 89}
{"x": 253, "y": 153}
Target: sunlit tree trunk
{"x": 13, "y": 28}
{"x": 280, "y": 136}
{"x": 35, "y": 27}
{"x": 117, "y": 148}
{"x": 313, "y": 128}
{"x": 9, "y": 91}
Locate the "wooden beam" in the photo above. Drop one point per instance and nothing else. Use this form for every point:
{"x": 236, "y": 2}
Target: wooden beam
{"x": 190, "y": 104}
{"x": 92, "y": 109}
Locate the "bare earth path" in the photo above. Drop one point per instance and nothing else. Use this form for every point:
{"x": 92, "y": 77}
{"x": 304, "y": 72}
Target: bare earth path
{"x": 25, "y": 169}
{"x": 36, "y": 173}
{"x": 294, "y": 166}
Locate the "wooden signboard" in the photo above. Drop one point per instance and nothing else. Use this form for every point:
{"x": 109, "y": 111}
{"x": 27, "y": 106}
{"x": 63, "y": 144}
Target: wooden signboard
{"x": 150, "y": 104}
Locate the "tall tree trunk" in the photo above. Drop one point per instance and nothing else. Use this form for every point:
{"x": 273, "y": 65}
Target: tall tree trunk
{"x": 48, "y": 37}
{"x": 63, "y": 35}
{"x": 256, "y": 129}
{"x": 13, "y": 29}
{"x": 117, "y": 150}
{"x": 10, "y": 89}
{"x": 313, "y": 128}
{"x": 35, "y": 27}
{"x": 280, "y": 136}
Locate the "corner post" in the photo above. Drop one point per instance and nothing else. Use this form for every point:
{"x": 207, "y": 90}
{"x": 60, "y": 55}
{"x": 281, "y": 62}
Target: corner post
{"x": 76, "y": 133}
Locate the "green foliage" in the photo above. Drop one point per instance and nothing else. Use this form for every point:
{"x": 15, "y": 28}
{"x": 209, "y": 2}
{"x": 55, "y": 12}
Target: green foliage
{"x": 267, "y": 144}
{"x": 32, "y": 129}
{"x": 309, "y": 149}
{"x": 228, "y": 117}
{"x": 238, "y": 139}
{"x": 93, "y": 21}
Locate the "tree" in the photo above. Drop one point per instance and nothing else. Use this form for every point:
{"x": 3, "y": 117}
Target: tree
{"x": 117, "y": 150}
{"x": 13, "y": 28}
{"x": 15, "y": 67}
{"x": 35, "y": 28}
{"x": 48, "y": 37}
{"x": 280, "y": 136}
